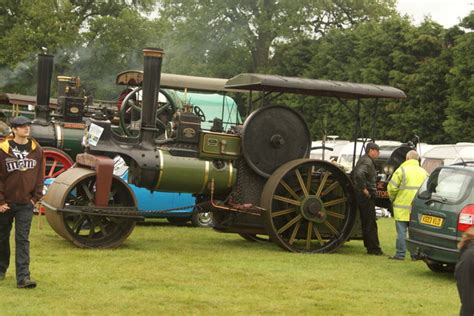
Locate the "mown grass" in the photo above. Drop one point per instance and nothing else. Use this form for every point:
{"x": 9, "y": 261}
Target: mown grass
{"x": 162, "y": 269}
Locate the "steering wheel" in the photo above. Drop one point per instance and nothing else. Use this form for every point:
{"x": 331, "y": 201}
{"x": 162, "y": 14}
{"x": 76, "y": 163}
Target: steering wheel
{"x": 130, "y": 113}
{"x": 199, "y": 112}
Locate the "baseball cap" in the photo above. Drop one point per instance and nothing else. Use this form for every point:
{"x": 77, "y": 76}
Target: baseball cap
{"x": 370, "y": 146}
{"x": 19, "y": 121}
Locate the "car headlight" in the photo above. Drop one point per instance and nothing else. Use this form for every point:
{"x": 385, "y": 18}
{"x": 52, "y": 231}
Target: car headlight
{"x": 387, "y": 169}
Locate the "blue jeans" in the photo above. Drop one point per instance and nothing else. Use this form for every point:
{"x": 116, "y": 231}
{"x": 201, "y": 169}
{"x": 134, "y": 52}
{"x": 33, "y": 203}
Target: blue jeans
{"x": 22, "y": 214}
{"x": 402, "y": 229}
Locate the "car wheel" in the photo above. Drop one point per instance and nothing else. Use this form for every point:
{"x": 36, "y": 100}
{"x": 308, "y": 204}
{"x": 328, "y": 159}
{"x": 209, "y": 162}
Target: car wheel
{"x": 440, "y": 267}
{"x": 178, "y": 221}
{"x": 202, "y": 219}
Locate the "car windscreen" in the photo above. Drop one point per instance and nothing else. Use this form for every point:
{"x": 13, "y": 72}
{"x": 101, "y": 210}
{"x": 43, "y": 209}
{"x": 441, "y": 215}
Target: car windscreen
{"x": 445, "y": 184}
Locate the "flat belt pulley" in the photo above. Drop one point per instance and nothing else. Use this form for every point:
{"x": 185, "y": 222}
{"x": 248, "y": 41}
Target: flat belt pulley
{"x": 272, "y": 136}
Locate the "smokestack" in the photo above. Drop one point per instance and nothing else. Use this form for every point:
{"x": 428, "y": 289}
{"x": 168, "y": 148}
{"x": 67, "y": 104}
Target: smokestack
{"x": 153, "y": 58}
{"x": 43, "y": 90}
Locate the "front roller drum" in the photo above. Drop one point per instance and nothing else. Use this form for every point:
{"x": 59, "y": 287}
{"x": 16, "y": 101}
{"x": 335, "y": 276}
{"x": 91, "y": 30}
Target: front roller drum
{"x": 310, "y": 206}
{"x": 76, "y": 187}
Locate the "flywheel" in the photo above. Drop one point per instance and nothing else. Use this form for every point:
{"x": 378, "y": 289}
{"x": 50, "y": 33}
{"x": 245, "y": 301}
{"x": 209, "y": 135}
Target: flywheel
{"x": 272, "y": 136}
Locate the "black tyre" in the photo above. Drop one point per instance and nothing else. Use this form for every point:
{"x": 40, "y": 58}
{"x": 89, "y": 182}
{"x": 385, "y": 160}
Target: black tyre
{"x": 440, "y": 267}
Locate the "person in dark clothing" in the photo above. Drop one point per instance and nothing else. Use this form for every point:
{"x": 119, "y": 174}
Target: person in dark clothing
{"x": 464, "y": 273}
{"x": 21, "y": 186}
{"x": 365, "y": 176}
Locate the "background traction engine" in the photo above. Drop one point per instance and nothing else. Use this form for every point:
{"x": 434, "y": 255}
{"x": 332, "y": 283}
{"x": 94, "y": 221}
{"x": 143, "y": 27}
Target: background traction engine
{"x": 256, "y": 178}
{"x": 60, "y": 138}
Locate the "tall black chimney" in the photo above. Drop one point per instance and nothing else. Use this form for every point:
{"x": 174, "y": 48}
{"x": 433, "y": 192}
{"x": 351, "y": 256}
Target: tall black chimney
{"x": 43, "y": 90}
{"x": 153, "y": 58}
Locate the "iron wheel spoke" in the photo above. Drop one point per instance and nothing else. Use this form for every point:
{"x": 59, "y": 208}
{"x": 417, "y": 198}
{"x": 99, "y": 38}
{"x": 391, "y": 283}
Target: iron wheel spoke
{"x": 308, "y": 235}
{"x": 51, "y": 170}
{"x": 290, "y": 190}
{"x": 93, "y": 225}
{"x": 103, "y": 228}
{"x": 57, "y": 173}
{"x": 322, "y": 183}
{"x": 337, "y": 215}
{"x": 87, "y": 191}
{"x": 330, "y": 188}
{"x": 295, "y": 232}
{"x": 78, "y": 224}
{"x": 335, "y": 202}
{"x": 334, "y": 230}
{"x": 283, "y": 212}
{"x": 290, "y": 223}
{"x": 301, "y": 182}
{"x": 308, "y": 179}
{"x": 318, "y": 235}
{"x": 287, "y": 200}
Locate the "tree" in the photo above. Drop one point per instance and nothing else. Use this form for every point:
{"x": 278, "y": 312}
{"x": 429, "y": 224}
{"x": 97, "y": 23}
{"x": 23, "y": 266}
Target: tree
{"x": 460, "y": 111}
{"x": 208, "y": 30}
{"x": 392, "y": 52}
{"x": 31, "y": 26}
{"x": 112, "y": 45}
{"x": 58, "y": 25}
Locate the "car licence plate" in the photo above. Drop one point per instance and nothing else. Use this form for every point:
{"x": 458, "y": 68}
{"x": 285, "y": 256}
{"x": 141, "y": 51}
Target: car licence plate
{"x": 431, "y": 220}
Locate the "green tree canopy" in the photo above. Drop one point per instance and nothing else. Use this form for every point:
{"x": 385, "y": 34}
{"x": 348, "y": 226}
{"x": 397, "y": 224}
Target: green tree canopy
{"x": 73, "y": 31}
{"x": 460, "y": 110}
{"x": 392, "y": 52}
{"x": 243, "y": 33}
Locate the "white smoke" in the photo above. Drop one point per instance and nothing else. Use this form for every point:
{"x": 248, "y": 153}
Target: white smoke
{"x": 8, "y": 76}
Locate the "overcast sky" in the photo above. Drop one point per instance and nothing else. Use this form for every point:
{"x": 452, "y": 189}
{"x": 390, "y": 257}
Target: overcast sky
{"x": 445, "y": 12}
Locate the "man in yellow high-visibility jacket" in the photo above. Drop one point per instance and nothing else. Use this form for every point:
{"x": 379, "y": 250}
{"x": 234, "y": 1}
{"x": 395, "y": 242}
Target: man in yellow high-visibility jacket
{"x": 402, "y": 189}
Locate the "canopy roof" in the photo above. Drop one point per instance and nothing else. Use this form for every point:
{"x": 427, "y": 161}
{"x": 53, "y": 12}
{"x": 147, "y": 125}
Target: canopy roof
{"x": 270, "y": 83}
{"x": 11, "y": 98}
{"x": 314, "y": 87}
{"x": 172, "y": 81}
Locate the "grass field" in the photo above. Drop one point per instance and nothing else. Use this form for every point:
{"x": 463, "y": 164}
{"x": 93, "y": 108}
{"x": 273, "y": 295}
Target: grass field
{"x": 162, "y": 269}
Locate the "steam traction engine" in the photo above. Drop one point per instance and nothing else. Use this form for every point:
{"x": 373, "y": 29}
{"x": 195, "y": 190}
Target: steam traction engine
{"x": 256, "y": 178}
{"x": 61, "y": 138}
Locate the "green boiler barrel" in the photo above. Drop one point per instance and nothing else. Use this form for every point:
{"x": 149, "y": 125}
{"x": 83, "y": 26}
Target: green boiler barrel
{"x": 193, "y": 175}
{"x": 69, "y": 137}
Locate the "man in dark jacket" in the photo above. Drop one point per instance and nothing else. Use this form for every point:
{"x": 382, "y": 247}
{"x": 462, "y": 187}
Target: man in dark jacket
{"x": 365, "y": 176}
{"x": 21, "y": 186}
{"x": 464, "y": 273}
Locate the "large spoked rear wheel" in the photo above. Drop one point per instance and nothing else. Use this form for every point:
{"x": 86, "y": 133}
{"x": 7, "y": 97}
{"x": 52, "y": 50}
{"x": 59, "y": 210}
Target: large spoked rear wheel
{"x": 310, "y": 206}
{"x": 76, "y": 187}
{"x": 56, "y": 162}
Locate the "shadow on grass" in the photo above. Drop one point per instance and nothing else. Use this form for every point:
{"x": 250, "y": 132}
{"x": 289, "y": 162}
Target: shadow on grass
{"x": 445, "y": 276}
{"x": 160, "y": 224}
